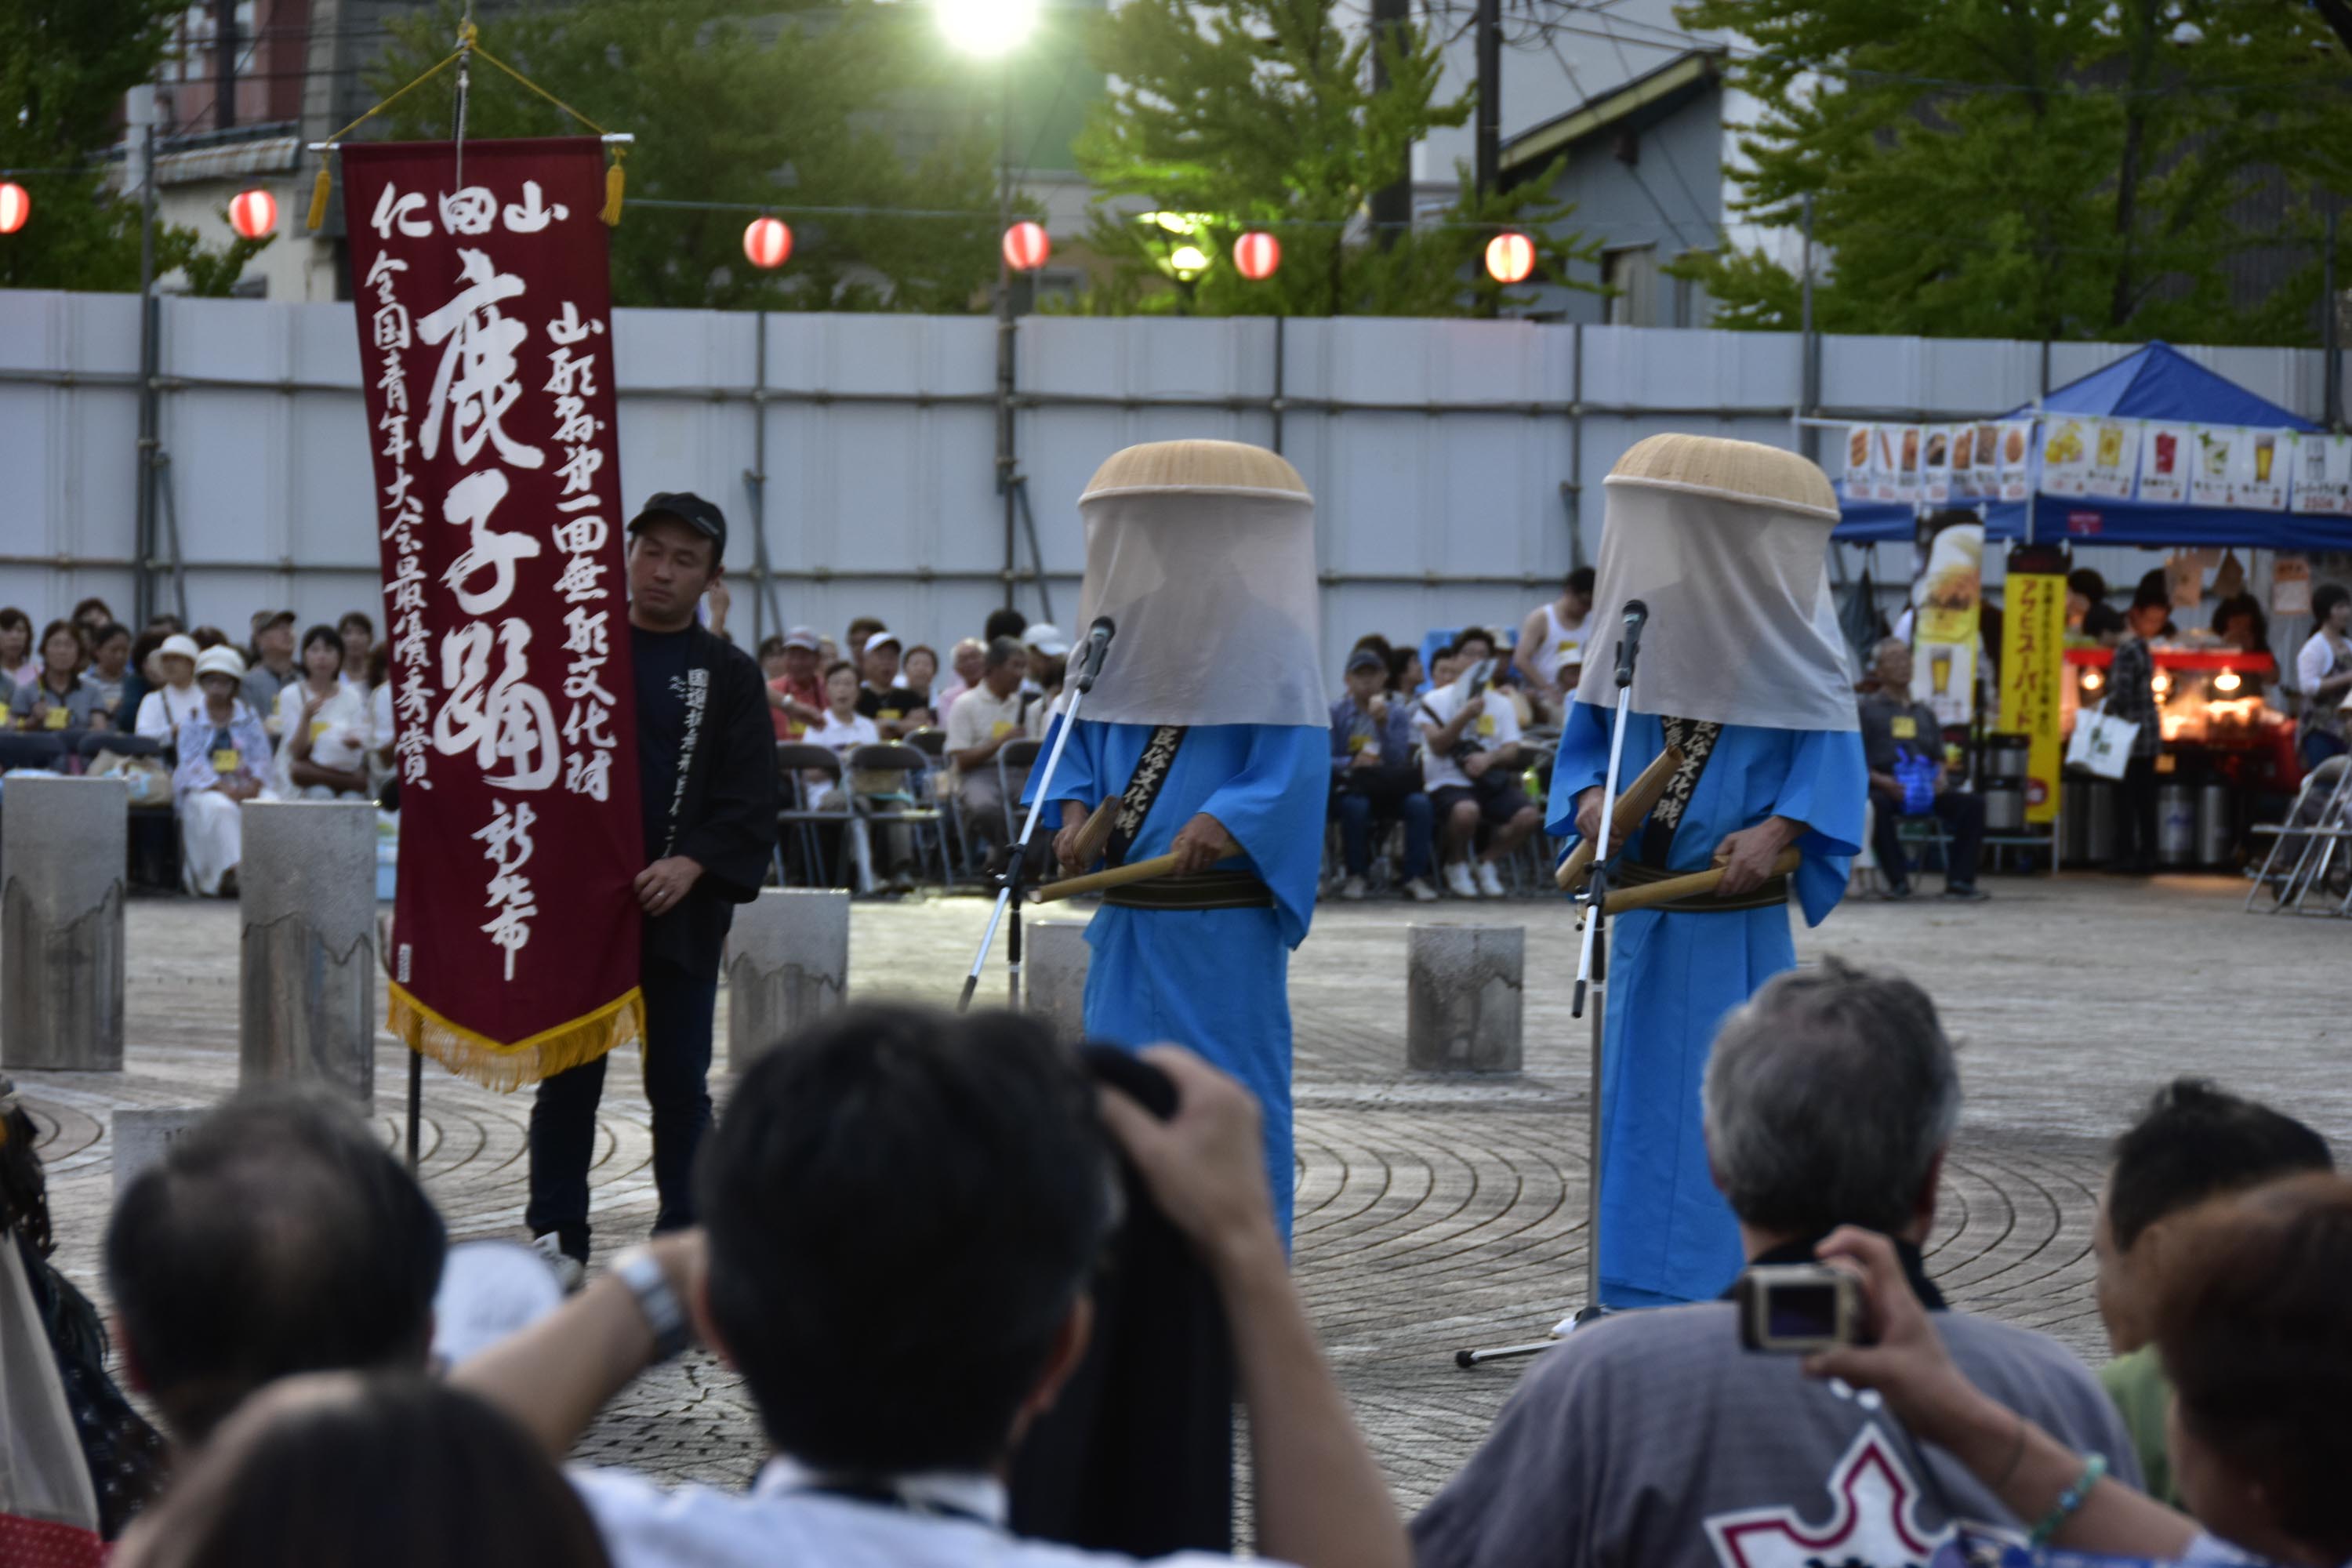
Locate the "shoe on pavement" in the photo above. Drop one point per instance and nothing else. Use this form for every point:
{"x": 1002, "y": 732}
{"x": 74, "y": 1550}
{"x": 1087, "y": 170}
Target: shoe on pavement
{"x": 1490, "y": 885}
{"x": 1896, "y": 892}
{"x": 1458, "y": 882}
{"x": 1418, "y": 889}
{"x": 1352, "y": 890}
{"x": 569, "y": 1270}
{"x": 1965, "y": 893}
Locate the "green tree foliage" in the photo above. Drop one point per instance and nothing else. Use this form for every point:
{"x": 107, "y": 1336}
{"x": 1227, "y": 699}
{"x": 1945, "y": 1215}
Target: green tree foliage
{"x": 792, "y": 113}
{"x": 1264, "y": 114}
{"x": 65, "y": 65}
{"x": 2036, "y": 168}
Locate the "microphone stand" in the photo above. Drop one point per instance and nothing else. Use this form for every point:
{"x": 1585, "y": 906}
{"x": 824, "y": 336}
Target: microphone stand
{"x": 1009, "y": 882}
{"x": 1591, "y": 981}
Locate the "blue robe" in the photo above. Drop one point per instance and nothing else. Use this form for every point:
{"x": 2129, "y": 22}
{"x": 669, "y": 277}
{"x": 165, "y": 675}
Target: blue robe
{"x": 1666, "y": 1233}
{"x": 1217, "y": 981}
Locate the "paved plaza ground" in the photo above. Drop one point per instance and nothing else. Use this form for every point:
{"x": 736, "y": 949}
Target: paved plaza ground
{"x": 1432, "y": 1213}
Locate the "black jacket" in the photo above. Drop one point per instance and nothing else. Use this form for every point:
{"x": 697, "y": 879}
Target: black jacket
{"x": 727, "y": 821}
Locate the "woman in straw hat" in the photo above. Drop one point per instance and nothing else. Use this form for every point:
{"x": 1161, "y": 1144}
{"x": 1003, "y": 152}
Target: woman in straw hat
{"x": 1743, "y": 670}
{"x": 1206, "y": 737}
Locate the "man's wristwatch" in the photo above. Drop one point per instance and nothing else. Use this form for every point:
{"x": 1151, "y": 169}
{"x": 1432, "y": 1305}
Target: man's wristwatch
{"x": 641, "y": 1271}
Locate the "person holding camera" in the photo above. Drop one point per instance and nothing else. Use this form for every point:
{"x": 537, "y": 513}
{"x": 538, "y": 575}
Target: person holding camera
{"x": 1470, "y": 763}
{"x": 1375, "y": 776}
{"x": 1659, "y": 1438}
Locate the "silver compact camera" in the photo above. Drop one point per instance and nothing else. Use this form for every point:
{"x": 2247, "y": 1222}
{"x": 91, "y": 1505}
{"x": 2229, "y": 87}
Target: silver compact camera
{"x": 1796, "y": 1308}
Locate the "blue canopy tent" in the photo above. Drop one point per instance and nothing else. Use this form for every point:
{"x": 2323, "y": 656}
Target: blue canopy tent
{"x": 2158, "y": 381}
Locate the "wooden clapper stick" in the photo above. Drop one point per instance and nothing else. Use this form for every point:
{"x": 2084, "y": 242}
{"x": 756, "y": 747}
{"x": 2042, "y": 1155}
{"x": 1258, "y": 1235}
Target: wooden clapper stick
{"x": 1631, "y": 807}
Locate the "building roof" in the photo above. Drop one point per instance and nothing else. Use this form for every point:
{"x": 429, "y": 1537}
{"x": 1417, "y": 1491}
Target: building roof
{"x": 1665, "y": 89}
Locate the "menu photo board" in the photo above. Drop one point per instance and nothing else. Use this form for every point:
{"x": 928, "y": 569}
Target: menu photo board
{"x": 2167, "y": 453}
{"x": 2065, "y": 455}
{"x": 1861, "y": 466}
{"x": 2115, "y": 458}
{"x": 2215, "y": 462}
{"x": 2013, "y": 466}
{"x": 2321, "y": 472}
{"x": 1935, "y": 468}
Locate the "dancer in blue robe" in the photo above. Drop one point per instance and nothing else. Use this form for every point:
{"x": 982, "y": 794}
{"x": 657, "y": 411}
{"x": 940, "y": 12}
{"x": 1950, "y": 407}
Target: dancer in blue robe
{"x": 1214, "y": 980}
{"x": 1666, "y": 1235}
{"x": 1718, "y": 551}
{"x": 1202, "y": 601}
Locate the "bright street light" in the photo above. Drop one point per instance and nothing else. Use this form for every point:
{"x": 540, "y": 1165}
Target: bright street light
{"x": 987, "y": 27}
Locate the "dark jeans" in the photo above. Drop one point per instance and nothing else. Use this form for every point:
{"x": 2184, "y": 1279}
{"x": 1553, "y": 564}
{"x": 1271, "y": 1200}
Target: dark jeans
{"x": 677, "y": 1070}
{"x": 1963, "y": 816}
{"x": 2135, "y": 824}
{"x": 1356, "y": 813}
{"x": 2319, "y": 745}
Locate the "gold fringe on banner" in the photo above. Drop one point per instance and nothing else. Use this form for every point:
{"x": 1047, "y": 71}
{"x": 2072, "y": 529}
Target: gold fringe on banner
{"x": 468, "y": 43}
{"x": 507, "y": 1068}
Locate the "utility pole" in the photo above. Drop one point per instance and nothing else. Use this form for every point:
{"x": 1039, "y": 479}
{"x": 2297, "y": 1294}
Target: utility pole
{"x": 225, "y": 70}
{"x": 1489, "y": 165}
{"x": 140, "y": 164}
{"x": 1392, "y": 203}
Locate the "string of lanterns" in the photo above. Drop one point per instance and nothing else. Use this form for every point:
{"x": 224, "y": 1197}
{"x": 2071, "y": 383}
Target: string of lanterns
{"x": 1510, "y": 256}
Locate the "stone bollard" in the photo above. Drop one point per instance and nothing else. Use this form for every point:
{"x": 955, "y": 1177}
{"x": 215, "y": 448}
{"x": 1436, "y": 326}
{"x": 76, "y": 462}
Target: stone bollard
{"x": 1462, "y": 998}
{"x": 63, "y": 846}
{"x": 306, "y": 889}
{"x": 142, "y": 1138}
{"x": 787, "y": 965}
{"x": 1054, "y": 975}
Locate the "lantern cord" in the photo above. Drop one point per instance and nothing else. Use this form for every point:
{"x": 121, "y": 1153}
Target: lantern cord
{"x": 468, "y": 43}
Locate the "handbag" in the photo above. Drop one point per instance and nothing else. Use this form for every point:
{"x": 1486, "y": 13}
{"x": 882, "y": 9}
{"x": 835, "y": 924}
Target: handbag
{"x": 2102, "y": 745}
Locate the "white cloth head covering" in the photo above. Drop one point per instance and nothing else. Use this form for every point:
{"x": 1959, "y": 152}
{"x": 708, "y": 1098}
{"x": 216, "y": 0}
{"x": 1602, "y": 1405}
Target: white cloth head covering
{"x": 1203, "y": 554}
{"x": 1728, "y": 542}
{"x": 221, "y": 660}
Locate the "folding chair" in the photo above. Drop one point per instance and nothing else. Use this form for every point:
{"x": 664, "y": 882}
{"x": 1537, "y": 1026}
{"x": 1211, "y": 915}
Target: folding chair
{"x": 1013, "y": 760}
{"x": 898, "y": 757}
{"x": 932, "y": 741}
{"x": 795, "y": 759}
{"x": 2308, "y": 851}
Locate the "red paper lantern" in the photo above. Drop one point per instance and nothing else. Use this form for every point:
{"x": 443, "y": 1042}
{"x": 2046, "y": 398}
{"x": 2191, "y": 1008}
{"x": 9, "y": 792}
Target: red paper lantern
{"x": 253, "y": 214}
{"x": 15, "y": 207}
{"x": 1026, "y": 246}
{"x": 1510, "y": 257}
{"x": 1256, "y": 254}
{"x": 767, "y": 242}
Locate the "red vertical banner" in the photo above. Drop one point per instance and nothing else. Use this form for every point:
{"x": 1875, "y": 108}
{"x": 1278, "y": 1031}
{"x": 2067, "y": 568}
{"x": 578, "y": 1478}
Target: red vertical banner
{"x": 480, "y": 283}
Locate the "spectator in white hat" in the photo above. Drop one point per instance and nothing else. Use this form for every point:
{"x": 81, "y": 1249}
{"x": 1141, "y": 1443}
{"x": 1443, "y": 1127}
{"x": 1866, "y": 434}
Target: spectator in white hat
{"x": 225, "y": 761}
{"x": 175, "y": 699}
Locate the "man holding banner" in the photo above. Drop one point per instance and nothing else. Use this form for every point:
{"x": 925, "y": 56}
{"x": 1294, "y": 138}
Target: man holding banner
{"x": 707, "y": 789}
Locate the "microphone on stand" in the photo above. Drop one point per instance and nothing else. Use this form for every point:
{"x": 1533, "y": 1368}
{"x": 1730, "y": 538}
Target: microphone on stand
{"x": 1099, "y": 638}
{"x": 1637, "y": 615}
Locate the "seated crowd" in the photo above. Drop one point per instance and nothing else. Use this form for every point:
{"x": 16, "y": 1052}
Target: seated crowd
{"x": 906, "y": 1220}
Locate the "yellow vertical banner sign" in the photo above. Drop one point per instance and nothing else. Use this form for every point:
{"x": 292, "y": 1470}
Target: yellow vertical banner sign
{"x": 2033, "y": 648}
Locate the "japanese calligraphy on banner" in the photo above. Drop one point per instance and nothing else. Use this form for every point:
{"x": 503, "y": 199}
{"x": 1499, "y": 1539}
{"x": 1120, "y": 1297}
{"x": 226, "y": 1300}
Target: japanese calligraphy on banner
{"x": 484, "y": 312}
{"x": 2032, "y": 640}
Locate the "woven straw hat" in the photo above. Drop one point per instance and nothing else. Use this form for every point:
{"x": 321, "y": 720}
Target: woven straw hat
{"x": 1738, "y": 471}
{"x": 1195, "y": 465}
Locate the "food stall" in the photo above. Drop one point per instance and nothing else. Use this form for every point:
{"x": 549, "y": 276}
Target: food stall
{"x": 2228, "y": 757}
{"x": 2153, "y": 450}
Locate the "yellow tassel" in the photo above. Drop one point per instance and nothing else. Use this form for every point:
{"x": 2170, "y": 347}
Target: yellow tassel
{"x": 506, "y": 1066}
{"x": 319, "y": 189}
{"x": 613, "y": 182}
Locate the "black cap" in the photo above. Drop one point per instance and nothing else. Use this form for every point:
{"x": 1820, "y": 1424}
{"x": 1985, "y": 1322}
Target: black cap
{"x": 1365, "y": 658}
{"x": 690, "y": 509}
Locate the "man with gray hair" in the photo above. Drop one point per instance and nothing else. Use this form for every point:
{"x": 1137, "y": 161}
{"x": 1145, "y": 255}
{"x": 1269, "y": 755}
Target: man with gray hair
{"x": 1652, "y": 1437}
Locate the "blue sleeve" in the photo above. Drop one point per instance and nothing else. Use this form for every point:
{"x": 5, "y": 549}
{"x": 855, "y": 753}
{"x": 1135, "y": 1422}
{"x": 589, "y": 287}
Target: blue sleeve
{"x": 194, "y": 769}
{"x": 1581, "y": 762}
{"x": 1274, "y": 807}
{"x": 1828, "y": 787}
{"x": 1074, "y": 777}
